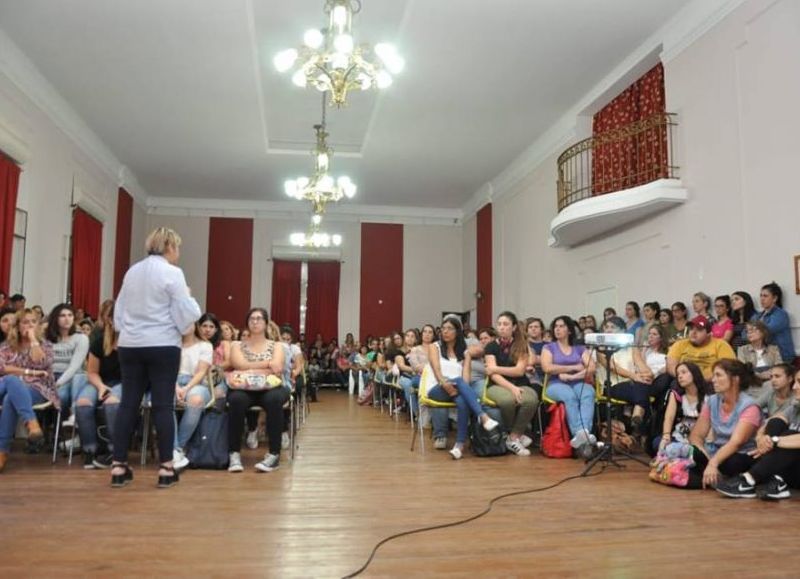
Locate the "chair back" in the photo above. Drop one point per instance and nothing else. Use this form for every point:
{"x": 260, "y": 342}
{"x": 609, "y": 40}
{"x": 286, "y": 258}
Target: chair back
{"x": 427, "y": 381}
{"x": 485, "y": 400}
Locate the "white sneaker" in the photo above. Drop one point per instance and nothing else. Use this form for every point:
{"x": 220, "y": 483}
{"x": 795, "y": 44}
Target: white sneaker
{"x": 525, "y": 440}
{"x": 456, "y": 453}
{"x": 252, "y": 439}
{"x": 179, "y": 459}
{"x": 285, "y": 442}
{"x": 580, "y": 439}
{"x": 69, "y": 422}
{"x": 516, "y": 447}
{"x": 271, "y": 462}
{"x": 489, "y": 424}
{"x": 235, "y": 462}
{"x": 440, "y": 443}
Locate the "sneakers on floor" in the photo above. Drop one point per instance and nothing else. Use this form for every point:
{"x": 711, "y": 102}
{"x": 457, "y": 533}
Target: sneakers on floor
{"x": 737, "y": 487}
{"x": 252, "y": 439}
{"x": 235, "y": 462}
{"x": 440, "y": 443}
{"x": 69, "y": 422}
{"x": 581, "y": 438}
{"x": 101, "y": 461}
{"x": 525, "y": 440}
{"x": 774, "y": 489}
{"x": 285, "y": 442}
{"x": 179, "y": 460}
{"x": 88, "y": 460}
{"x": 489, "y": 424}
{"x": 271, "y": 462}
{"x": 456, "y": 453}
{"x": 516, "y": 447}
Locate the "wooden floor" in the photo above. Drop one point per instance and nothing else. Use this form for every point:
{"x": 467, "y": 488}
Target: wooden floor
{"x": 354, "y": 481}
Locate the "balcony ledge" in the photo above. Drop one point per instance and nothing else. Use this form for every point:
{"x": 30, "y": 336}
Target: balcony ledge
{"x": 590, "y": 218}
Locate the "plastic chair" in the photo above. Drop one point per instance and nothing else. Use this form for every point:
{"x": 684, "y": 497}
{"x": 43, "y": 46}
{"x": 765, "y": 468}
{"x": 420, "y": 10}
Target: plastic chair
{"x": 49, "y": 406}
{"x": 422, "y": 394}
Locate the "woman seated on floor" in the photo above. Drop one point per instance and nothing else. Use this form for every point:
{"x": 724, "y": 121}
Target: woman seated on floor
{"x": 567, "y": 366}
{"x": 627, "y": 382}
{"x": 450, "y": 363}
{"x": 777, "y": 395}
{"x": 725, "y": 432}
{"x": 256, "y": 380}
{"x": 681, "y": 408}
{"x": 191, "y": 391}
{"x": 758, "y": 352}
{"x": 506, "y": 359}
{"x": 105, "y": 386}
{"x": 777, "y": 455}
{"x": 27, "y": 380}
{"x": 70, "y": 348}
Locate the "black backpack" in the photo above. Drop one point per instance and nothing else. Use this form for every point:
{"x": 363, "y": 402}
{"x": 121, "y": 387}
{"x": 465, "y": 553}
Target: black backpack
{"x": 487, "y": 442}
{"x": 208, "y": 446}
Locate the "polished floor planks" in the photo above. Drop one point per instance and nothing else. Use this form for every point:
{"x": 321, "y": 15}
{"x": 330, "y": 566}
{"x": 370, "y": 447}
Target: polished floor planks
{"x": 354, "y": 482}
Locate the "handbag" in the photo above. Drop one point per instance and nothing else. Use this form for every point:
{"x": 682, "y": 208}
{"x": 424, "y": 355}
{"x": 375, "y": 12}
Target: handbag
{"x": 555, "y": 440}
{"x": 208, "y": 446}
{"x": 486, "y": 442}
{"x": 253, "y": 380}
{"x": 672, "y": 466}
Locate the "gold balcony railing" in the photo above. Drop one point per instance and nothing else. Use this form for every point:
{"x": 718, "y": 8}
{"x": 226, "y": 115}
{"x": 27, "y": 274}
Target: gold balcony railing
{"x": 623, "y": 158}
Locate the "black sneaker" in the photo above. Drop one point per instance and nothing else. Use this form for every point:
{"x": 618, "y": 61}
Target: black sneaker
{"x": 88, "y": 460}
{"x": 102, "y": 461}
{"x": 774, "y": 489}
{"x": 737, "y": 487}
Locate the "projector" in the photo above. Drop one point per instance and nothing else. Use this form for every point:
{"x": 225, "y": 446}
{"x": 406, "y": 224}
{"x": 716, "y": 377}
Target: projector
{"x": 609, "y": 340}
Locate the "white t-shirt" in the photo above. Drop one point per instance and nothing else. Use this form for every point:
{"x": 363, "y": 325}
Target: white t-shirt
{"x": 192, "y": 355}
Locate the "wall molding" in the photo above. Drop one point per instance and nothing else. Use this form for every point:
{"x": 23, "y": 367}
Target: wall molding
{"x": 12, "y": 144}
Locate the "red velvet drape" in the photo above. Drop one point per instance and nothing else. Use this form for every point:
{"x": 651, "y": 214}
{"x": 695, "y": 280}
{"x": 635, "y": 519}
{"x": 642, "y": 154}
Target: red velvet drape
{"x": 122, "y": 248}
{"x": 638, "y": 159}
{"x": 322, "y": 299}
{"x": 484, "y": 266}
{"x": 87, "y": 251}
{"x": 285, "y": 308}
{"x": 9, "y": 184}
{"x": 381, "y": 308}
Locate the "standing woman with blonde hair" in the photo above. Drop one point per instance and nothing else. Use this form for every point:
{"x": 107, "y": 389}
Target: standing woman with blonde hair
{"x": 153, "y": 311}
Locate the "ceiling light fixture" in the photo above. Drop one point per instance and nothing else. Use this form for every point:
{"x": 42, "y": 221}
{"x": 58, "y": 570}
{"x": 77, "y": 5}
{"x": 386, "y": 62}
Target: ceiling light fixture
{"x": 330, "y": 60}
{"x": 315, "y": 238}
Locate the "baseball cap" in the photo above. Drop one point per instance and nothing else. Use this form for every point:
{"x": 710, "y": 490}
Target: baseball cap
{"x": 700, "y": 322}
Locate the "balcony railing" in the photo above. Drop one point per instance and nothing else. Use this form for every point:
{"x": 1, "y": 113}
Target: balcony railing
{"x": 624, "y": 158}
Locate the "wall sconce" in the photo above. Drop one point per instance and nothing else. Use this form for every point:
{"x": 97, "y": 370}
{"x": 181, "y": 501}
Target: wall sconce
{"x": 479, "y": 295}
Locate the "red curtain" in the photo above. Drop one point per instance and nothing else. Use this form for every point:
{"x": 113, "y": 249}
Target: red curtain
{"x": 9, "y": 184}
{"x": 230, "y": 268}
{"x": 322, "y": 299}
{"x": 381, "y": 308}
{"x": 638, "y": 159}
{"x": 122, "y": 249}
{"x": 285, "y": 307}
{"x": 484, "y": 266}
{"x": 87, "y": 251}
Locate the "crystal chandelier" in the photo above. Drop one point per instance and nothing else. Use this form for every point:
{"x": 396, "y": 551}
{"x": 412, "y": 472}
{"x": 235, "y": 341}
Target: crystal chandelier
{"x": 329, "y": 59}
{"x": 315, "y": 238}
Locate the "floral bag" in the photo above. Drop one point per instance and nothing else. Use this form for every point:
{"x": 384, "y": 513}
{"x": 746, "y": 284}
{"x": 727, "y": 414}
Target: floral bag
{"x": 672, "y": 465}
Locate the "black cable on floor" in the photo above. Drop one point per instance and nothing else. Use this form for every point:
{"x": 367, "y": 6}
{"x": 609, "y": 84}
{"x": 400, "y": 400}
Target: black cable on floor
{"x": 486, "y": 511}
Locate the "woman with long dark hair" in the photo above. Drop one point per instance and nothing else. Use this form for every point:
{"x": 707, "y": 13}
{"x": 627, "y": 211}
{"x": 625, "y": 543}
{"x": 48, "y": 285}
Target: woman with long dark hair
{"x": 777, "y": 320}
{"x": 153, "y": 311}
{"x": 742, "y": 311}
{"x": 682, "y": 406}
{"x": 70, "y": 348}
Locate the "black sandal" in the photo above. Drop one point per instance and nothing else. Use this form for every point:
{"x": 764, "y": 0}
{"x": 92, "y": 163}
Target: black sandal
{"x": 120, "y": 480}
{"x": 166, "y": 481}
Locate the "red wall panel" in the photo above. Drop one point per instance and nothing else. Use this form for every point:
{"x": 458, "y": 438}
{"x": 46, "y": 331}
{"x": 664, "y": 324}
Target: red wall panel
{"x": 122, "y": 249}
{"x": 381, "y": 279}
{"x": 484, "y": 265}
{"x": 230, "y": 264}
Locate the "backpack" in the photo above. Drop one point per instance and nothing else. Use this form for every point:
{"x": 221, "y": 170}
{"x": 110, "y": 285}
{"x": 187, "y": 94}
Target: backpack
{"x": 486, "y": 442}
{"x": 555, "y": 440}
{"x": 208, "y": 446}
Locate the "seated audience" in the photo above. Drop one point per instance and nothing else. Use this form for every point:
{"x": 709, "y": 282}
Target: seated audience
{"x": 665, "y": 319}
{"x": 403, "y": 363}
{"x": 609, "y": 313}
{"x": 8, "y": 319}
{"x": 86, "y": 327}
{"x": 70, "y": 349}
{"x": 742, "y": 311}
{"x": 778, "y": 396}
{"x": 725, "y": 430}
{"x": 506, "y": 359}
{"x": 777, "y": 456}
{"x": 591, "y": 324}
{"x": 650, "y": 312}
{"x": 723, "y": 327}
{"x": 27, "y": 380}
{"x": 757, "y": 353}
{"x": 104, "y": 387}
{"x": 450, "y": 363}
{"x": 682, "y": 407}
{"x": 535, "y": 330}
{"x": 680, "y": 324}
{"x": 651, "y": 361}
{"x": 256, "y": 380}
{"x": 567, "y": 366}
{"x": 699, "y": 348}
{"x": 633, "y": 320}
{"x": 777, "y": 320}
{"x": 701, "y": 304}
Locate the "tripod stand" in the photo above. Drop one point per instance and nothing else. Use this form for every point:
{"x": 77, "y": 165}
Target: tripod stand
{"x": 607, "y": 452}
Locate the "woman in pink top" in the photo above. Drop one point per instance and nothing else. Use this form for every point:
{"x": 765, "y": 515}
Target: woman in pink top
{"x": 723, "y": 327}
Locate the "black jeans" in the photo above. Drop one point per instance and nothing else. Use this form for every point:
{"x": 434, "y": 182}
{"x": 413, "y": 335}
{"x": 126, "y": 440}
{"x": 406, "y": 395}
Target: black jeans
{"x": 271, "y": 401}
{"x": 633, "y": 392}
{"x": 738, "y": 463}
{"x": 781, "y": 461}
{"x": 154, "y": 369}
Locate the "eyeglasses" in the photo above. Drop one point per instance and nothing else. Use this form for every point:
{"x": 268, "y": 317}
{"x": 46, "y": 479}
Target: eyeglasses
{"x": 256, "y": 319}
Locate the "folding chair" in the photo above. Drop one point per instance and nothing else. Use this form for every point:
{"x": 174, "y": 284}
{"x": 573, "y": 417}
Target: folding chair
{"x": 422, "y": 393}
{"x": 43, "y": 408}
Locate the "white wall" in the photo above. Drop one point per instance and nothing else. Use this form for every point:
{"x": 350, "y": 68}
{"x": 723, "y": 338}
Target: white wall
{"x": 139, "y": 232}
{"x": 736, "y": 94}
{"x": 432, "y": 278}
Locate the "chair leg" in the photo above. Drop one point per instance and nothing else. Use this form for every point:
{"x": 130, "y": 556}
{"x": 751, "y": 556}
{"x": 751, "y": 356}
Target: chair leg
{"x": 539, "y": 418}
{"x": 55, "y": 438}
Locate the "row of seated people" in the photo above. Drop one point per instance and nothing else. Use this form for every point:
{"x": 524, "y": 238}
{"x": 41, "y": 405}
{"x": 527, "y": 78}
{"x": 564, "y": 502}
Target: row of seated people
{"x": 81, "y": 374}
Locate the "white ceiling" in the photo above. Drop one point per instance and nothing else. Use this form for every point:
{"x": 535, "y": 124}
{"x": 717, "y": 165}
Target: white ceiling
{"x": 183, "y": 91}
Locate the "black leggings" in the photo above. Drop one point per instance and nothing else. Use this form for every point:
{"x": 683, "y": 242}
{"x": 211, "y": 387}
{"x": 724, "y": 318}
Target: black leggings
{"x": 633, "y": 392}
{"x": 781, "y": 461}
{"x": 735, "y": 464}
{"x": 154, "y": 369}
{"x": 271, "y": 401}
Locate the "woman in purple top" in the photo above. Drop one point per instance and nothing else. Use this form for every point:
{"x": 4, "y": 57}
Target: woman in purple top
{"x": 567, "y": 365}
